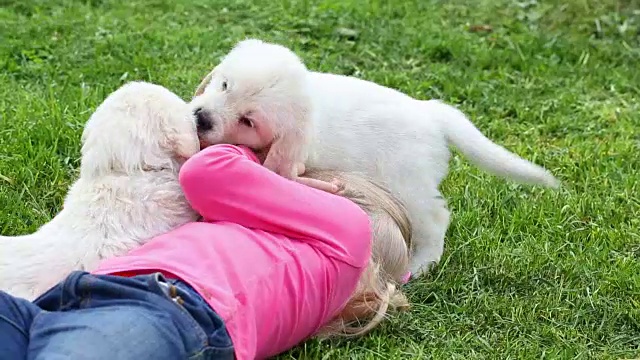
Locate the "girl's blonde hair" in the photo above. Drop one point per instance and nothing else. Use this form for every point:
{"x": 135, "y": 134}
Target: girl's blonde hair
{"x": 377, "y": 293}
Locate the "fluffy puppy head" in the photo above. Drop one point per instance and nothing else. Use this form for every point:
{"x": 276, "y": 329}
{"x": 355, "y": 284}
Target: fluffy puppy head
{"x": 138, "y": 127}
{"x": 255, "y": 95}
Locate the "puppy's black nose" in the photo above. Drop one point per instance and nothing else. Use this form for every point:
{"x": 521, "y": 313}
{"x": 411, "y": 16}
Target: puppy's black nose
{"x": 202, "y": 120}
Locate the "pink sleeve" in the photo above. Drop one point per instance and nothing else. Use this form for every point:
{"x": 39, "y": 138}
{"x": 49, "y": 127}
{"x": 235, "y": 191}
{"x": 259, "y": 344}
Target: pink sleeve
{"x": 227, "y": 183}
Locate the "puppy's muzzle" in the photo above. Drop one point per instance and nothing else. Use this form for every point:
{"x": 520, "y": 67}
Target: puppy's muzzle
{"x": 203, "y": 120}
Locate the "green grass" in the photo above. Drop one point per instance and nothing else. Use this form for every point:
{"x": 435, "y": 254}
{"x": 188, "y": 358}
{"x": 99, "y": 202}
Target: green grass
{"x": 527, "y": 273}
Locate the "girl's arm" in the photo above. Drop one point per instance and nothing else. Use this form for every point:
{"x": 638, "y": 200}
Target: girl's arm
{"x": 227, "y": 183}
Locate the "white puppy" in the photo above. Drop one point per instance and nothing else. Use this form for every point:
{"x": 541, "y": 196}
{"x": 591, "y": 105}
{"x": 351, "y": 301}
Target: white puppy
{"x": 128, "y": 190}
{"x": 261, "y": 92}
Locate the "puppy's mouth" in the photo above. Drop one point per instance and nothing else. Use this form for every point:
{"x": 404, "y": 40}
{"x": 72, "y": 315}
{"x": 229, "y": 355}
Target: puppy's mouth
{"x": 203, "y": 143}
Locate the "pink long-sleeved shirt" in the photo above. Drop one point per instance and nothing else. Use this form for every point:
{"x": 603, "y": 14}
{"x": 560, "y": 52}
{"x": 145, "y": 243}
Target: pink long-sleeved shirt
{"x": 275, "y": 259}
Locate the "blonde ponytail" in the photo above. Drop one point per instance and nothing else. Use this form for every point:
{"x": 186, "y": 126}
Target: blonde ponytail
{"x": 377, "y": 293}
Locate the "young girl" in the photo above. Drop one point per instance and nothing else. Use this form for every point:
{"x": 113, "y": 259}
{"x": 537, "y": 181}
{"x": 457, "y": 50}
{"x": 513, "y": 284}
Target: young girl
{"x": 273, "y": 263}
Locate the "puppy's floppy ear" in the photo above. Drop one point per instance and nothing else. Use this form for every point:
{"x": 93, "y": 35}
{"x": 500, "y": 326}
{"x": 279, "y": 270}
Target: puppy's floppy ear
{"x": 205, "y": 82}
{"x": 291, "y": 139}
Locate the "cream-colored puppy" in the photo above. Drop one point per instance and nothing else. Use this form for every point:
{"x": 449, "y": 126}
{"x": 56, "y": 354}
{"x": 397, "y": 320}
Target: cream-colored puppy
{"x": 262, "y": 92}
{"x": 127, "y": 192}
{"x": 254, "y": 101}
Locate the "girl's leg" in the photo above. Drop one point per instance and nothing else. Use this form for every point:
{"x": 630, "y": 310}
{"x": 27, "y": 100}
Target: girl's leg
{"x": 16, "y": 316}
{"x": 124, "y": 332}
{"x": 110, "y": 317}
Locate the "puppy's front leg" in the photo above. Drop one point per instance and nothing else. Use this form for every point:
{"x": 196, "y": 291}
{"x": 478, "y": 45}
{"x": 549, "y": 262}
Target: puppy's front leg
{"x": 285, "y": 155}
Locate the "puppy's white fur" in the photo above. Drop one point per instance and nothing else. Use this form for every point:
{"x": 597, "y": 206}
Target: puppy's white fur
{"x": 127, "y": 192}
{"x": 358, "y": 126}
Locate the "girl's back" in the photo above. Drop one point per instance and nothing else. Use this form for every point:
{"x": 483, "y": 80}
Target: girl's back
{"x": 275, "y": 260}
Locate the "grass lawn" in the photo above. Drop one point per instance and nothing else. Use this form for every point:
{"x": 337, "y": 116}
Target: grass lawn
{"x": 527, "y": 273}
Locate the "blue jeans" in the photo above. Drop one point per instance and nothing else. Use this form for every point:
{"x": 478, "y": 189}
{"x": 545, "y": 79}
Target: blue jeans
{"x": 95, "y": 317}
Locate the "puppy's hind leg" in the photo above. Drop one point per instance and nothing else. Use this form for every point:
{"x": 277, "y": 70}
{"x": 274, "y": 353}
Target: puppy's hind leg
{"x": 430, "y": 224}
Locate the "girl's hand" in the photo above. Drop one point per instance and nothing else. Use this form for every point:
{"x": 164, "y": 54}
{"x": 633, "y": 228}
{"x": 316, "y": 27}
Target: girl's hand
{"x": 330, "y": 187}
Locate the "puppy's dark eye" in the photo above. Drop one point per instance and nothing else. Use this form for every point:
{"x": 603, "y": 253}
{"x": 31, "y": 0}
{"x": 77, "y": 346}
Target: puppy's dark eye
{"x": 246, "y": 121}
{"x": 224, "y": 86}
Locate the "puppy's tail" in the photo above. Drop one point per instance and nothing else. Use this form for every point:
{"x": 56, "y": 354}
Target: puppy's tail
{"x": 483, "y": 152}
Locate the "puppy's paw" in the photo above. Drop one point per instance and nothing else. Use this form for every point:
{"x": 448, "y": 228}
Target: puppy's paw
{"x": 421, "y": 263}
{"x": 417, "y": 270}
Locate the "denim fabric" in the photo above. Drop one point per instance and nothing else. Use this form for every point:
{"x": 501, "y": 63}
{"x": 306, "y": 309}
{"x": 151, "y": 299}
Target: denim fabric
{"x": 106, "y": 317}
